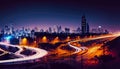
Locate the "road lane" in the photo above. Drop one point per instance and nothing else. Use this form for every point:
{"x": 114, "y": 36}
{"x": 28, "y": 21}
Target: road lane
{"x": 39, "y": 54}
{"x": 82, "y": 48}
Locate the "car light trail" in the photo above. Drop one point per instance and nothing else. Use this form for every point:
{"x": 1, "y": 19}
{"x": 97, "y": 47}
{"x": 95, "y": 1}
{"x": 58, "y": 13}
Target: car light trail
{"x": 79, "y": 49}
{"x": 39, "y": 53}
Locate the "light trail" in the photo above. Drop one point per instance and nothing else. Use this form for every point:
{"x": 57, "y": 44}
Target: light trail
{"x": 101, "y": 37}
{"x": 39, "y": 53}
{"x": 79, "y": 49}
{"x": 4, "y": 52}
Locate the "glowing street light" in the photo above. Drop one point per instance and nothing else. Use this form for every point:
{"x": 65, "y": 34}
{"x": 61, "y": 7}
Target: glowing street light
{"x": 24, "y": 41}
{"x": 56, "y": 40}
{"x": 7, "y": 38}
{"x": 78, "y": 38}
{"x": 44, "y": 39}
{"x": 68, "y": 38}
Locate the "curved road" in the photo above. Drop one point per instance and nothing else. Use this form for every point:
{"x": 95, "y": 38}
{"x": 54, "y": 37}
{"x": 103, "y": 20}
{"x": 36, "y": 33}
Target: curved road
{"x": 39, "y": 53}
{"x": 79, "y": 49}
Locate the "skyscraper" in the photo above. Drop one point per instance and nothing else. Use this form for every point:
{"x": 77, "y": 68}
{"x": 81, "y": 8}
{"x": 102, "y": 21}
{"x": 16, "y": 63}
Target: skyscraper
{"x": 87, "y": 28}
{"x": 84, "y": 25}
{"x": 100, "y": 30}
{"x": 78, "y": 30}
{"x": 67, "y": 30}
{"x": 59, "y": 29}
{"x": 50, "y": 30}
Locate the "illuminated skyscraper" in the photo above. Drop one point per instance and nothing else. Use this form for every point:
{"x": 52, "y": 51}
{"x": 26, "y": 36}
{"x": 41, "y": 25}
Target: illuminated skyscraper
{"x": 59, "y": 29}
{"x": 67, "y": 30}
{"x": 78, "y": 30}
{"x": 50, "y": 30}
{"x": 100, "y": 30}
{"x": 87, "y": 28}
{"x": 84, "y": 25}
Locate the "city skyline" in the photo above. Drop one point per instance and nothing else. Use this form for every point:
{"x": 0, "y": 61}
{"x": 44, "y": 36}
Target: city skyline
{"x": 84, "y": 29}
{"x": 54, "y": 27}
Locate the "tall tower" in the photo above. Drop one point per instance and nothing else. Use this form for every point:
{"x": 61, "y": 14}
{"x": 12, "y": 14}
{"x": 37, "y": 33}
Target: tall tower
{"x": 83, "y": 25}
{"x": 88, "y": 28}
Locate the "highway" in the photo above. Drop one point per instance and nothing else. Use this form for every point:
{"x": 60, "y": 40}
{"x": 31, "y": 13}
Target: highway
{"x": 39, "y": 53}
{"x": 4, "y": 52}
{"x": 78, "y": 49}
{"x": 82, "y": 48}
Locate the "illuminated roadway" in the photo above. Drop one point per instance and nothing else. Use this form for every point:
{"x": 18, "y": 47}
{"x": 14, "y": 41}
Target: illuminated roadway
{"x": 82, "y": 48}
{"x": 78, "y": 49}
{"x": 39, "y": 53}
{"x": 4, "y": 52}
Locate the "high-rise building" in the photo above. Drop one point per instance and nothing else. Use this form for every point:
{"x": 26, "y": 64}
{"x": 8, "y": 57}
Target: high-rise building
{"x": 36, "y": 29}
{"x": 59, "y": 29}
{"x": 41, "y": 30}
{"x": 106, "y": 31}
{"x": 78, "y": 30}
{"x": 88, "y": 28}
{"x": 84, "y": 25}
{"x": 50, "y": 30}
{"x": 67, "y": 30}
{"x": 100, "y": 30}
{"x": 54, "y": 29}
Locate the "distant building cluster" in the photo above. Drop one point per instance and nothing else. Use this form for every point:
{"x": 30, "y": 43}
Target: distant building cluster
{"x": 99, "y": 29}
{"x": 27, "y": 32}
{"x": 9, "y": 30}
{"x": 85, "y": 28}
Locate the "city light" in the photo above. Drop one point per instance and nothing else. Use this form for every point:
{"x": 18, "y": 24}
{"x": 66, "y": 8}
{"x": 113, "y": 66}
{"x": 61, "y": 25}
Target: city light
{"x": 7, "y": 39}
{"x": 24, "y": 41}
{"x": 78, "y": 38}
{"x": 68, "y": 38}
{"x": 55, "y": 40}
{"x": 44, "y": 39}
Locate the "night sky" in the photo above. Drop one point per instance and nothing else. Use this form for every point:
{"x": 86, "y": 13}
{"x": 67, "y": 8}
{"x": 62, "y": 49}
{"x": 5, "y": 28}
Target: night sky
{"x": 67, "y": 13}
